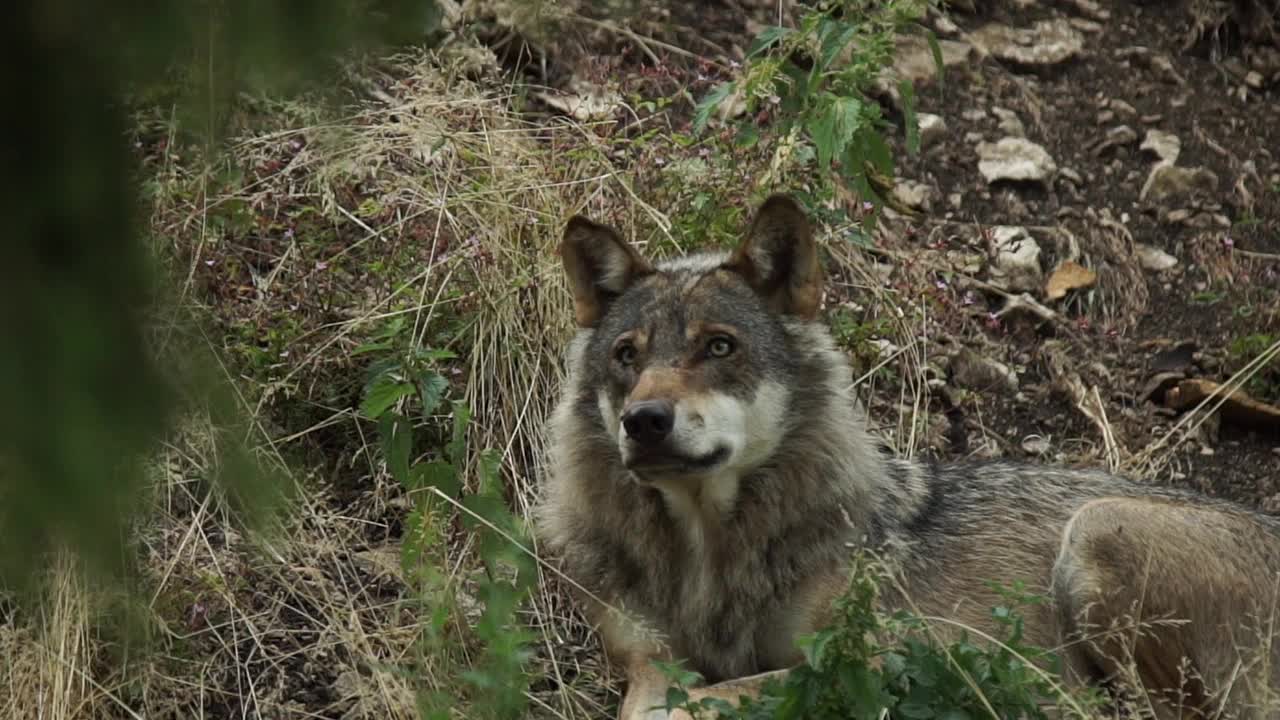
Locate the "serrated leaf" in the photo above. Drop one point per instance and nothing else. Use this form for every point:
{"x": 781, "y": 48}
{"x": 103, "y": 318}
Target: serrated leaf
{"x": 767, "y": 38}
{"x": 378, "y": 368}
{"x": 397, "y": 444}
{"x": 372, "y": 347}
{"x": 822, "y": 129}
{"x": 878, "y": 153}
{"x": 908, "y": 94}
{"x": 834, "y": 126}
{"x": 491, "y": 472}
{"x": 834, "y": 41}
{"x": 436, "y": 474}
{"x": 702, "y": 114}
{"x": 382, "y": 394}
{"x": 435, "y": 354}
{"x": 458, "y": 443}
{"x": 431, "y": 388}
{"x": 676, "y": 698}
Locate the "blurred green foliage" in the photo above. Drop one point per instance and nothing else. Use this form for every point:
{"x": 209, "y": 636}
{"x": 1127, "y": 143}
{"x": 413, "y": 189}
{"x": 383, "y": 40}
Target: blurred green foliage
{"x": 83, "y": 395}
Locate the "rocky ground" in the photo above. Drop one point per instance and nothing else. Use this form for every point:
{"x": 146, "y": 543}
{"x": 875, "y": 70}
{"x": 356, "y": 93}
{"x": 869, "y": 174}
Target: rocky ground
{"x": 1136, "y": 185}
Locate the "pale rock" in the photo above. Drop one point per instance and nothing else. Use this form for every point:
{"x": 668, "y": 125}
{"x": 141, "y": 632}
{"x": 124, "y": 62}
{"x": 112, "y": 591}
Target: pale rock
{"x": 1009, "y": 122}
{"x": 1164, "y": 145}
{"x": 933, "y": 129}
{"x": 1153, "y": 258}
{"x": 914, "y": 61}
{"x": 914, "y": 194}
{"x": 1168, "y": 181}
{"x": 1047, "y": 42}
{"x": 1015, "y": 159}
{"x": 1017, "y": 258}
{"x": 1122, "y": 107}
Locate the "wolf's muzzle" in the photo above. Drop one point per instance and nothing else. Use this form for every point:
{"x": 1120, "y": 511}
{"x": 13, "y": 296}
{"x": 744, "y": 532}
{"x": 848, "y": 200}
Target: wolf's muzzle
{"x": 649, "y": 422}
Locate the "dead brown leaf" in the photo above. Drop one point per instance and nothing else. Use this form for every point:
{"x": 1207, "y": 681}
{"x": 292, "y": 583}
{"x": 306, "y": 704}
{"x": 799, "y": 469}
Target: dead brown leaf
{"x": 1069, "y": 276}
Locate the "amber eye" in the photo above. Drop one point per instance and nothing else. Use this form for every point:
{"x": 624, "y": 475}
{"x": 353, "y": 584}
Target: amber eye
{"x": 625, "y": 354}
{"x": 720, "y": 346}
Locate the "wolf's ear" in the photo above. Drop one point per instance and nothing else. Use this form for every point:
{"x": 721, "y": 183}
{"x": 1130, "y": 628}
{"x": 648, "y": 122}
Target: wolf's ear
{"x": 600, "y": 265}
{"x": 779, "y": 258}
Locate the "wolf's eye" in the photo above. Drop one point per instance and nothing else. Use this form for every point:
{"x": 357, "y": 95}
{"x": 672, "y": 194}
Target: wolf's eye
{"x": 720, "y": 346}
{"x": 625, "y": 354}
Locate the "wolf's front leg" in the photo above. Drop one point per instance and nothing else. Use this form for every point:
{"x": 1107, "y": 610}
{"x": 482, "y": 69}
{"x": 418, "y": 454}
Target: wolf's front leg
{"x": 647, "y": 693}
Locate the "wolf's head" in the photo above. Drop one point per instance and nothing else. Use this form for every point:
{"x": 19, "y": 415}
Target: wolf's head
{"x": 691, "y": 361}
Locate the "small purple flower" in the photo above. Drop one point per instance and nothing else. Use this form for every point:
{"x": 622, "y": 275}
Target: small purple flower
{"x": 867, "y": 206}
{"x": 209, "y": 263}
{"x": 288, "y": 234}
{"x": 968, "y": 298}
{"x": 940, "y": 284}
{"x": 322, "y": 265}
{"x": 1227, "y": 242}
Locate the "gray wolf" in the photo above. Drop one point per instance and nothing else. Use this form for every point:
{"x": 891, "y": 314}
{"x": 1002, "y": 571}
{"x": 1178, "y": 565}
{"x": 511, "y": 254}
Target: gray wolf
{"x": 710, "y": 471}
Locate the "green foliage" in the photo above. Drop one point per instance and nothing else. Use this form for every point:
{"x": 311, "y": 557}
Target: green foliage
{"x": 1265, "y": 383}
{"x": 405, "y": 383}
{"x": 876, "y": 667}
{"x": 84, "y": 396}
{"x": 814, "y": 82}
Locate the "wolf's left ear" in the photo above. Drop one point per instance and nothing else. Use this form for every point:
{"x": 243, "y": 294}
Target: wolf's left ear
{"x": 600, "y": 265}
{"x": 779, "y": 258}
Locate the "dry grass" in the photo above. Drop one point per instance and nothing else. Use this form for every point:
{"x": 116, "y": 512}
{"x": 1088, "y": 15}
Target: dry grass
{"x": 431, "y": 201}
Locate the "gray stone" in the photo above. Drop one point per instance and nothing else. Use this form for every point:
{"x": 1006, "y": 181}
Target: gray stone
{"x": 1153, "y": 258}
{"x": 1015, "y": 159}
{"x": 1164, "y": 145}
{"x": 933, "y": 129}
{"x": 1169, "y": 182}
{"x": 1017, "y": 258}
{"x": 1047, "y": 42}
{"x": 1009, "y": 122}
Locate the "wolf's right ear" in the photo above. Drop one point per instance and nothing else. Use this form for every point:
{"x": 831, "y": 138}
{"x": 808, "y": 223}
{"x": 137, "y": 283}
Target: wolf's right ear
{"x": 600, "y": 265}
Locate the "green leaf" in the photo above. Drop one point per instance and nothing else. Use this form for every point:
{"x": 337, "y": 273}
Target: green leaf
{"x": 397, "y": 444}
{"x": 702, "y": 114}
{"x": 436, "y": 474}
{"x": 368, "y": 347}
{"x": 907, "y": 91}
{"x": 878, "y": 153}
{"x": 835, "y": 40}
{"x": 834, "y": 125}
{"x": 676, "y": 698}
{"x": 767, "y": 38}
{"x": 491, "y": 472}
{"x": 434, "y": 355}
{"x": 382, "y": 394}
{"x": 822, "y": 128}
{"x": 457, "y": 447}
{"x": 431, "y": 387}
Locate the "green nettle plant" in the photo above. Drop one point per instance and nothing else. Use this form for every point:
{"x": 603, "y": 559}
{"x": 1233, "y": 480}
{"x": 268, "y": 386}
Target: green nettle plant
{"x": 814, "y": 82}
{"x": 872, "y": 666}
{"x": 403, "y": 392}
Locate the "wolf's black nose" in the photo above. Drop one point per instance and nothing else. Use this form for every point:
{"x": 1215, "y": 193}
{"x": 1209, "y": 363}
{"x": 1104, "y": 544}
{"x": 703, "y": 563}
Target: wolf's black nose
{"x": 649, "y": 422}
